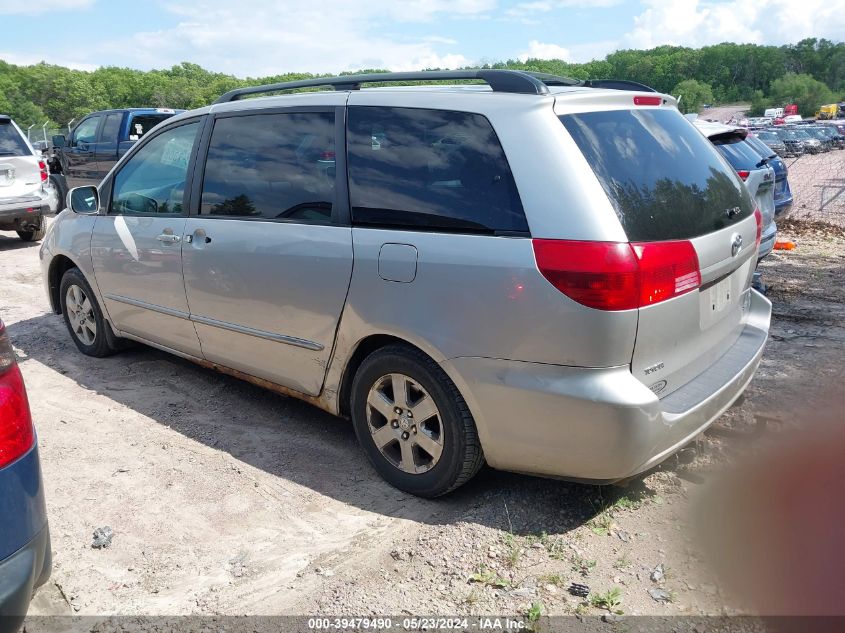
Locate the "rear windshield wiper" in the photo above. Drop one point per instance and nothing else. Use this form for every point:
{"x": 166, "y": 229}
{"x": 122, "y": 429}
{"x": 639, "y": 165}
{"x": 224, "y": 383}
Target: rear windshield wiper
{"x": 762, "y": 163}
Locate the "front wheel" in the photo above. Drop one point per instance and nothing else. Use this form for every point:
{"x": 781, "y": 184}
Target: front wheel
{"x": 83, "y": 316}
{"x": 413, "y": 423}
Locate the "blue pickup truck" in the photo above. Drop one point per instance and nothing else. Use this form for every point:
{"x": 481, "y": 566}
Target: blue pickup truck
{"x": 97, "y": 142}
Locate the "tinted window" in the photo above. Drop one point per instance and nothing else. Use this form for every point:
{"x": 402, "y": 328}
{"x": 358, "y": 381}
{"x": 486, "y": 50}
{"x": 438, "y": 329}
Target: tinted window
{"x": 86, "y": 132}
{"x": 738, "y": 152}
{"x": 430, "y": 170}
{"x": 271, "y": 166}
{"x": 153, "y": 180}
{"x": 111, "y": 127}
{"x": 662, "y": 176}
{"x": 140, "y": 124}
{"x": 759, "y": 146}
{"x": 11, "y": 143}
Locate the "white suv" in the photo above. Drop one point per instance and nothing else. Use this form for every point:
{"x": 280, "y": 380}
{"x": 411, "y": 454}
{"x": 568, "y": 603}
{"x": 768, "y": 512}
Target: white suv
{"x": 25, "y": 190}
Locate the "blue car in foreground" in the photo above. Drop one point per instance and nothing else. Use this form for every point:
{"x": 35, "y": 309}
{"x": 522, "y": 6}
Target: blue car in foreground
{"x": 783, "y": 194}
{"x": 25, "y": 555}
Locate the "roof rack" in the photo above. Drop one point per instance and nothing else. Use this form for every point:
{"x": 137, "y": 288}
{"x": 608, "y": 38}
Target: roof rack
{"x": 499, "y": 80}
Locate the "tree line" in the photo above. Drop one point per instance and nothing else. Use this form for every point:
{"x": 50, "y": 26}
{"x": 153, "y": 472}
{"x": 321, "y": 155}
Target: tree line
{"x": 809, "y": 73}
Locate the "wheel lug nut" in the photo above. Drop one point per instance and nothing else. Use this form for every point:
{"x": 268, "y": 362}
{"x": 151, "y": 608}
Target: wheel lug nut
{"x": 410, "y": 414}
{"x": 397, "y": 410}
{"x": 405, "y": 435}
{"x": 395, "y": 424}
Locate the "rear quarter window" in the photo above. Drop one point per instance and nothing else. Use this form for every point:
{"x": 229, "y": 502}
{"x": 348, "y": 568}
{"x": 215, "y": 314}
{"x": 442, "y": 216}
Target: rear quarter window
{"x": 11, "y": 142}
{"x": 662, "y": 176}
{"x": 430, "y": 170}
{"x": 738, "y": 152}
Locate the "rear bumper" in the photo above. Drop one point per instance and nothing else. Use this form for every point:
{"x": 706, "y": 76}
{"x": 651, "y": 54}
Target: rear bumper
{"x": 29, "y": 207}
{"x": 767, "y": 241}
{"x": 20, "y": 574}
{"x": 602, "y": 424}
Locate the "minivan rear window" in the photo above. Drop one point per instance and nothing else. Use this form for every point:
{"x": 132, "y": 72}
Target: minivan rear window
{"x": 11, "y": 142}
{"x": 662, "y": 176}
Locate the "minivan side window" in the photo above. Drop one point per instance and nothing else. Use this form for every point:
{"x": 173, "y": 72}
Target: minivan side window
{"x": 430, "y": 170}
{"x": 152, "y": 181}
{"x": 271, "y": 167}
{"x": 86, "y": 132}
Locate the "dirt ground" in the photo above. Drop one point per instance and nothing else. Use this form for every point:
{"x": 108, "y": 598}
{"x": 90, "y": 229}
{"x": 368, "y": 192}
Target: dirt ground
{"x": 228, "y": 499}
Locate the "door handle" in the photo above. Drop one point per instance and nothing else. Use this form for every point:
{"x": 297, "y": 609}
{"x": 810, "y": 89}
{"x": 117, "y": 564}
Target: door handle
{"x": 168, "y": 238}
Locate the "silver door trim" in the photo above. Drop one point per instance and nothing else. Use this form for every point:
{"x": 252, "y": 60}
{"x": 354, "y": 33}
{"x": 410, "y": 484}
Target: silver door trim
{"x": 149, "y": 306}
{"x": 241, "y": 329}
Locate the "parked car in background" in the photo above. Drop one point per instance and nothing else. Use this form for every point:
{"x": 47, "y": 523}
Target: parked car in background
{"x": 25, "y": 553}
{"x": 828, "y": 111}
{"x": 794, "y": 145}
{"x": 816, "y": 132}
{"x": 427, "y": 289}
{"x": 811, "y": 144}
{"x": 773, "y": 141}
{"x": 26, "y": 194}
{"x": 773, "y": 113}
{"x": 97, "y": 143}
{"x": 836, "y": 138}
{"x": 754, "y": 171}
{"x": 782, "y": 192}
{"x": 792, "y": 118}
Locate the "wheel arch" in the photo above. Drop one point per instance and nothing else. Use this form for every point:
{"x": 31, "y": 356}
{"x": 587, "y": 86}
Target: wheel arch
{"x": 59, "y": 265}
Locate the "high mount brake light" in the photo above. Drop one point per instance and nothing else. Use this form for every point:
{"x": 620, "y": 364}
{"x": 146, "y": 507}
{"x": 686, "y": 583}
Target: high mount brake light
{"x": 642, "y": 100}
{"x": 618, "y": 275}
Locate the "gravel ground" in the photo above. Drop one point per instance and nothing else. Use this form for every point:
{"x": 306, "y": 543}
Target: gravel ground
{"x": 227, "y": 499}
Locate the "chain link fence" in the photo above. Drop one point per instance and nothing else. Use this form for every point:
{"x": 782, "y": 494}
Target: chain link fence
{"x": 818, "y": 187}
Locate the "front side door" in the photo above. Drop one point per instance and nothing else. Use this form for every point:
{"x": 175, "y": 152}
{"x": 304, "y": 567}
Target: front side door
{"x": 136, "y": 247}
{"x": 81, "y": 165}
{"x": 268, "y": 263}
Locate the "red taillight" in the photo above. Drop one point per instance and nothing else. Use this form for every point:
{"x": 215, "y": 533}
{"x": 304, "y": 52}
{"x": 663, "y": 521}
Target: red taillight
{"x": 327, "y": 155}
{"x": 45, "y": 174}
{"x": 618, "y": 275}
{"x": 743, "y": 174}
{"x": 16, "y": 436}
{"x": 758, "y": 217}
{"x": 643, "y": 100}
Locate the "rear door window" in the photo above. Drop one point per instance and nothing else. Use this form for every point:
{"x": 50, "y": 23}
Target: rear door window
{"x": 271, "y": 167}
{"x": 140, "y": 124}
{"x": 430, "y": 170}
{"x": 11, "y": 142}
{"x": 662, "y": 176}
{"x": 111, "y": 126}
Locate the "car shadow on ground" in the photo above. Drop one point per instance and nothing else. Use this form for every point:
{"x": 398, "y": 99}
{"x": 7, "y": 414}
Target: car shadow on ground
{"x": 300, "y": 443}
{"x": 11, "y": 242}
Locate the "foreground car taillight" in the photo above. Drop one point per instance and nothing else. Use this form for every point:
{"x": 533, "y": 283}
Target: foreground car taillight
{"x": 758, "y": 217}
{"x": 16, "y": 435}
{"x": 618, "y": 275}
{"x": 45, "y": 174}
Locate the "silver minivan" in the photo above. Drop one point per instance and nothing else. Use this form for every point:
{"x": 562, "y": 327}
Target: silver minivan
{"x": 545, "y": 275}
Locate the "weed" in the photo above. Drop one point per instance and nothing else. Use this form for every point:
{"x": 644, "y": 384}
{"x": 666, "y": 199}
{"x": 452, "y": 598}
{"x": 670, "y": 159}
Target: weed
{"x": 610, "y": 599}
{"x": 533, "y": 614}
{"x": 622, "y": 563}
{"x": 582, "y": 565}
{"x": 553, "y": 579}
{"x": 472, "y": 598}
{"x": 489, "y": 577}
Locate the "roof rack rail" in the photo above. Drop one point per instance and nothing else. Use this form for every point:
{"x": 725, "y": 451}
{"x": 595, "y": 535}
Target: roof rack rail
{"x": 499, "y": 80}
{"x": 514, "y": 81}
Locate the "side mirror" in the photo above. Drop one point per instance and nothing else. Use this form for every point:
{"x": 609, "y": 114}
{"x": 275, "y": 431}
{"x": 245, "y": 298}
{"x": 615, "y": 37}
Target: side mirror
{"x": 59, "y": 140}
{"x": 83, "y": 200}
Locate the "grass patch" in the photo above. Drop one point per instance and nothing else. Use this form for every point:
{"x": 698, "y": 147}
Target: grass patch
{"x": 622, "y": 562}
{"x": 582, "y": 565}
{"x": 553, "y": 579}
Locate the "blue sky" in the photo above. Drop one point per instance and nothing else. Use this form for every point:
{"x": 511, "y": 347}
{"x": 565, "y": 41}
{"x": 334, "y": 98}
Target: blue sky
{"x": 263, "y": 37}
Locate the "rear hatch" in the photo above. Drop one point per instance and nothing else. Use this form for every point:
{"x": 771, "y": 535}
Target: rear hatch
{"x": 20, "y": 175}
{"x": 678, "y": 199}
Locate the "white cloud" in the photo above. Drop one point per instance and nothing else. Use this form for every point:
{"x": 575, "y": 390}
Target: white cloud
{"x": 539, "y": 50}
{"x": 700, "y": 23}
{"x": 257, "y": 38}
{"x": 524, "y": 9}
{"x": 37, "y": 7}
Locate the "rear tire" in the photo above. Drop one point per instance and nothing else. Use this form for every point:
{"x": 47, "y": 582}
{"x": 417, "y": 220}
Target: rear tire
{"x": 60, "y": 185}
{"x": 33, "y": 236}
{"x": 83, "y": 317}
{"x": 428, "y": 455}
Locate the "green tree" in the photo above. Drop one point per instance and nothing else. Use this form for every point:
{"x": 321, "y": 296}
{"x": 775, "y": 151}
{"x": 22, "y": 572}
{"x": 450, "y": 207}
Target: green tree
{"x": 693, "y": 94}
{"x": 808, "y": 93}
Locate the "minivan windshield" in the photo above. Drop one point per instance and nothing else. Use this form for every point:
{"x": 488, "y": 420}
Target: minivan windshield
{"x": 11, "y": 142}
{"x": 662, "y": 176}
